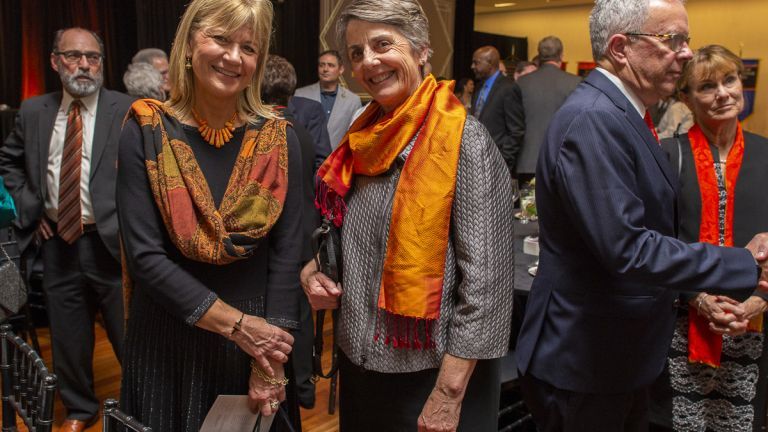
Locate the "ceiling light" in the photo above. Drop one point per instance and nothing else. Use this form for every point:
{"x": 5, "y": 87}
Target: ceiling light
{"x": 501, "y": 5}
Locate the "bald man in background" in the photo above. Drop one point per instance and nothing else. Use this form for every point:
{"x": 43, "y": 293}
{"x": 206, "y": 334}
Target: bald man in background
{"x": 493, "y": 105}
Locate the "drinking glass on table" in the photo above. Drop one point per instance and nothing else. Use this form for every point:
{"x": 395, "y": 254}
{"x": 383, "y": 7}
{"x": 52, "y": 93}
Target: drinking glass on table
{"x": 527, "y": 204}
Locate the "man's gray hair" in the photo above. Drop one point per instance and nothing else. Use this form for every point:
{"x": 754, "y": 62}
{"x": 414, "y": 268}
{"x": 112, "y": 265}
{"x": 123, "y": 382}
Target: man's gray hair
{"x": 550, "y": 49}
{"x": 406, "y": 16}
{"x": 610, "y": 17}
{"x": 144, "y": 81}
{"x": 147, "y": 55}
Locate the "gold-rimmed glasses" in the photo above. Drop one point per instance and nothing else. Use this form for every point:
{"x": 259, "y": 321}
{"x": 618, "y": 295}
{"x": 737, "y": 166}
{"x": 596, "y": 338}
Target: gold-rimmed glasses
{"x": 674, "y": 41}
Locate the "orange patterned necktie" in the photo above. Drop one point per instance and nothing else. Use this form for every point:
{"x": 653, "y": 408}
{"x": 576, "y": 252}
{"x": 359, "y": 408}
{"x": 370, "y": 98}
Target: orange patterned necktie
{"x": 70, "y": 224}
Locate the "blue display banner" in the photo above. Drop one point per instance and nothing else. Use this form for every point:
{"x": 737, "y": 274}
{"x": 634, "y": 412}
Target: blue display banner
{"x": 749, "y": 82}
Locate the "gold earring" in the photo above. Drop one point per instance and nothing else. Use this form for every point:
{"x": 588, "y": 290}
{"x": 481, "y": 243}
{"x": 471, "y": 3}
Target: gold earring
{"x": 353, "y": 74}
{"x": 188, "y": 64}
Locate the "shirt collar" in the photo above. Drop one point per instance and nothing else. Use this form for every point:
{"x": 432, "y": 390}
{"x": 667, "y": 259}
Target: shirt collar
{"x": 627, "y": 92}
{"x": 89, "y": 102}
{"x": 491, "y": 79}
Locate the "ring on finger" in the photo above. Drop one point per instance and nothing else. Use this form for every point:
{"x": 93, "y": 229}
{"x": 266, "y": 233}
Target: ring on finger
{"x": 274, "y": 404}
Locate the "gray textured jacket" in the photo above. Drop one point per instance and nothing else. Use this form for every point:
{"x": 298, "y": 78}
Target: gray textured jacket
{"x": 476, "y": 306}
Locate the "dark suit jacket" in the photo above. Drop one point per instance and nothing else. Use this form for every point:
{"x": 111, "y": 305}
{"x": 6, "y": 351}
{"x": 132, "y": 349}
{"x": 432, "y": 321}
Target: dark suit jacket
{"x": 24, "y": 161}
{"x": 310, "y": 114}
{"x": 537, "y": 97}
{"x": 496, "y": 116}
{"x": 310, "y": 217}
{"x": 600, "y": 314}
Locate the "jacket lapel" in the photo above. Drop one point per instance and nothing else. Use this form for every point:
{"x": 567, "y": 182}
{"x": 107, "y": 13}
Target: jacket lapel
{"x": 602, "y": 83}
{"x": 104, "y": 115}
{"x": 491, "y": 95}
{"x": 46, "y": 121}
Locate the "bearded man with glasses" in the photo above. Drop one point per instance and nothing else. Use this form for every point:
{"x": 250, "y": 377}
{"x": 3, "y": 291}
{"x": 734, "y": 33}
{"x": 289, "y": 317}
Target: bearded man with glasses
{"x": 601, "y": 311}
{"x": 60, "y": 165}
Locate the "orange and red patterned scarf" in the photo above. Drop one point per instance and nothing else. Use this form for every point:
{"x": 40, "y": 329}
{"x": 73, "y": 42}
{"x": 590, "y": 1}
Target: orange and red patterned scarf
{"x": 412, "y": 279}
{"x": 253, "y": 200}
{"x": 704, "y": 346}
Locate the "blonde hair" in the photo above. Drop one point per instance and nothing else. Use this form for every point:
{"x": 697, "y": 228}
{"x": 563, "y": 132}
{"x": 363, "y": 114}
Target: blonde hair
{"x": 229, "y": 15}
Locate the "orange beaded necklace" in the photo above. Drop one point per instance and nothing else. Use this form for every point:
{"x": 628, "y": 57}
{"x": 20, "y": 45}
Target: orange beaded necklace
{"x": 215, "y": 137}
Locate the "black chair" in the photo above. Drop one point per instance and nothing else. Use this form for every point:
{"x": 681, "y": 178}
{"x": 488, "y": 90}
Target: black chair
{"x": 113, "y": 418}
{"x": 28, "y": 387}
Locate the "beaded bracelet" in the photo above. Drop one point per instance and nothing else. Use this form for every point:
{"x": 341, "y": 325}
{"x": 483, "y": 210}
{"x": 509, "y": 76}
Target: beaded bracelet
{"x": 266, "y": 378}
{"x": 237, "y": 326}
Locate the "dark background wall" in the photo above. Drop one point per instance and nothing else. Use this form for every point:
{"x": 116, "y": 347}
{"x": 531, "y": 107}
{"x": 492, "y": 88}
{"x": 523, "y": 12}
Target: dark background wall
{"x": 126, "y": 26}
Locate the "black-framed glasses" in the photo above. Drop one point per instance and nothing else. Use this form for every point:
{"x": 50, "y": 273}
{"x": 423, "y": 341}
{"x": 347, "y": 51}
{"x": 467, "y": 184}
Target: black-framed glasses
{"x": 674, "y": 41}
{"x": 94, "y": 58}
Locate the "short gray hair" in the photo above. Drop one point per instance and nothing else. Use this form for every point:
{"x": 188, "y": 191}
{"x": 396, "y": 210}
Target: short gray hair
{"x": 610, "y": 17}
{"x": 550, "y": 48}
{"x": 147, "y": 55}
{"x": 144, "y": 81}
{"x": 406, "y": 16}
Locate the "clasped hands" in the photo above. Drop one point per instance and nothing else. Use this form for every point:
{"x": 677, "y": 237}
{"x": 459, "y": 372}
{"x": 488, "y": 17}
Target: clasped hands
{"x": 728, "y": 316}
{"x": 269, "y": 347}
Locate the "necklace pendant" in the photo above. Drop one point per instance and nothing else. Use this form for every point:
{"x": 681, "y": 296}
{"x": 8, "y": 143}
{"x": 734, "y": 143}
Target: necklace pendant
{"x": 215, "y": 137}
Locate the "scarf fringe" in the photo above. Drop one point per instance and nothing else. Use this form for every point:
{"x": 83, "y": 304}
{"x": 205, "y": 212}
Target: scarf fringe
{"x": 402, "y": 332}
{"x": 330, "y": 204}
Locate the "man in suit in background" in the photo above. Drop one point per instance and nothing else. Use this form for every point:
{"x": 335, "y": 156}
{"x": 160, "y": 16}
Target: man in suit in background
{"x": 537, "y": 96}
{"x": 338, "y": 102}
{"x": 601, "y": 310}
{"x": 60, "y": 165}
{"x": 492, "y": 102}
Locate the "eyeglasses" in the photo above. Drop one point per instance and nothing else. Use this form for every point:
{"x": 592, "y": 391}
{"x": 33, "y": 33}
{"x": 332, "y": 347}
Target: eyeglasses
{"x": 674, "y": 41}
{"x": 94, "y": 58}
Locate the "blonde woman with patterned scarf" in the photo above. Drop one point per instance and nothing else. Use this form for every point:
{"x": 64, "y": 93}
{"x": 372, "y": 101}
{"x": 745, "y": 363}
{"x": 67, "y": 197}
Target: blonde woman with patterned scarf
{"x": 423, "y": 200}
{"x": 209, "y": 204}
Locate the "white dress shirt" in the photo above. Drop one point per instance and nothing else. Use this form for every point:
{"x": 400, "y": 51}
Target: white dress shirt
{"x": 88, "y": 115}
{"x": 636, "y": 102}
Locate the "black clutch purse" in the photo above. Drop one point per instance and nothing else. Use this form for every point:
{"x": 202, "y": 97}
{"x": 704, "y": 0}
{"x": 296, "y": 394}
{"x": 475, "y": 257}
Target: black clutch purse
{"x": 326, "y": 242}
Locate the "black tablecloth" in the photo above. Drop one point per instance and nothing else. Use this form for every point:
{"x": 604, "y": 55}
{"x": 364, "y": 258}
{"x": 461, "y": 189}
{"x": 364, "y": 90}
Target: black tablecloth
{"x": 523, "y": 280}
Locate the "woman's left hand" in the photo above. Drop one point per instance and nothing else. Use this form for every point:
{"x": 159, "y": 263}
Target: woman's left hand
{"x": 265, "y": 397}
{"x": 443, "y": 408}
{"x": 440, "y": 413}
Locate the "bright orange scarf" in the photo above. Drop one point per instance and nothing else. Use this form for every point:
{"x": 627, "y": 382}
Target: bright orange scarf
{"x": 704, "y": 346}
{"x": 412, "y": 278}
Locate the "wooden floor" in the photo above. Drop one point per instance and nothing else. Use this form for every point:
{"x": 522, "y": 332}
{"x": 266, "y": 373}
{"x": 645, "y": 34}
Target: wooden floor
{"x": 107, "y": 382}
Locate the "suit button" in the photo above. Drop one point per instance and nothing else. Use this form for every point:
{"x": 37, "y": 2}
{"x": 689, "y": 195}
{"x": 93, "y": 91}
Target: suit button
{"x": 676, "y": 303}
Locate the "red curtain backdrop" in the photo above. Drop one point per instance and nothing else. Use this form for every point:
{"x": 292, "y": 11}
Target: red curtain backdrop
{"x": 32, "y": 59}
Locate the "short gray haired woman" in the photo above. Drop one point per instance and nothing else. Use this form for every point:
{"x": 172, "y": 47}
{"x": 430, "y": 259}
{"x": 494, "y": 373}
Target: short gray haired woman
{"x": 142, "y": 80}
{"x": 427, "y": 241}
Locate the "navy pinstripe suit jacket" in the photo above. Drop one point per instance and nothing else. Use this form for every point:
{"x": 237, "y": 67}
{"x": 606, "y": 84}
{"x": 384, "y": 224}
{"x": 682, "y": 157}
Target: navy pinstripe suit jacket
{"x": 600, "y": 313}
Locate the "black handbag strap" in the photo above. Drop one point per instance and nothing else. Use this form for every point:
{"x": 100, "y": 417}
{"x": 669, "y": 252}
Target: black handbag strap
{"x": 326, "y": 244}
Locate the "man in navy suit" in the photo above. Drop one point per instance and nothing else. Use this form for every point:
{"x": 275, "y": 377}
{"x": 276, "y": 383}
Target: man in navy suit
{"x": 600, "y": 314}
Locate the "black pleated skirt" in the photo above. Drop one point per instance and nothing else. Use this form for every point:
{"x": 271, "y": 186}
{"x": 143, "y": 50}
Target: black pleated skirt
{"x": 172, "y": 372}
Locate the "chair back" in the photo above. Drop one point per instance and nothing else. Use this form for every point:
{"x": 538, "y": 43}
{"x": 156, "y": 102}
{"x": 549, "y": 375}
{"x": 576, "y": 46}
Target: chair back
{"x": 28, "y": 388}
{"x": 113, "y": 417}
